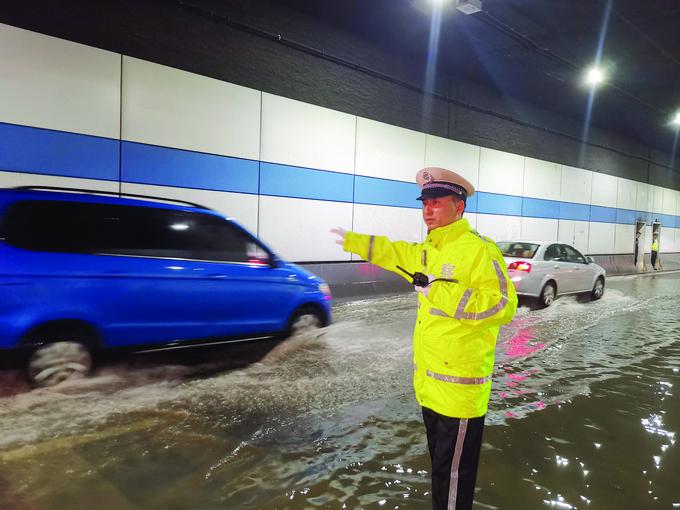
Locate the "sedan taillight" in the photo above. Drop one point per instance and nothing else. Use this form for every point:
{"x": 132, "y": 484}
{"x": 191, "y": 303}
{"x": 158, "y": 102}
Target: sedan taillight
{"x": 519, "y": 266}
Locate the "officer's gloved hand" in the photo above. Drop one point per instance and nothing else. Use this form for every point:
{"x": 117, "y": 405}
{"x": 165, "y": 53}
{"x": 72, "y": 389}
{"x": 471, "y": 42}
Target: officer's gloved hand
{"x": 425, "y": 290}
{"x": 340, "y": 232}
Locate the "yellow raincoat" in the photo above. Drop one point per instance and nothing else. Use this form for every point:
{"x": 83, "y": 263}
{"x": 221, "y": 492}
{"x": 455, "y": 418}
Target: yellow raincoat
{"x": 457, "y": 325}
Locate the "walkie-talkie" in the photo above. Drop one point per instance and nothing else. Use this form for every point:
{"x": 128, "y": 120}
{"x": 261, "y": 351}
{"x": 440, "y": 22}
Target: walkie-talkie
{"x": 421, "y": 279}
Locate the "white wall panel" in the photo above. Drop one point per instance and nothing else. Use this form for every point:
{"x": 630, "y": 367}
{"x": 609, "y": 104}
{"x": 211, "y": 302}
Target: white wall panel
{"x": 626, "y": 197}
{"x": 388, "y": 152}
{"x": 539, "y": 229}
{"x": 56, "y": 84}
{"x": 542, "y": 179}
{"x": 670, "y": 238}
{"x": 240, "y": 206}
{"x": 397, "y": 223}
{"x": 646, "y": 246}
{"x": 625, "y": 239}
{"x": 14, "y": 179}
{"x": 601, "y": 239}
{"x": 472, "y": 219}
{"x": 669, "y": 201}
{"x": 299, "y": 230}
{"x": 605, "y": 190}
{"x": 576, "y": 185}
{"x": 499, "y": 228}
{"x": 460, "y": 157}
{"x": 642, "y": 198}
{"x": 574, "y": 233}
{"x": 301, "y": 134}
{"x": 173, "y": 108}
{"x": 501, "y": 172}
{"x": 657, "y": 201}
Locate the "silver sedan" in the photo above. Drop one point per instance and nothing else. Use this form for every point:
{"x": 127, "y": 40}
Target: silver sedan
{"x": 542, "y": 270}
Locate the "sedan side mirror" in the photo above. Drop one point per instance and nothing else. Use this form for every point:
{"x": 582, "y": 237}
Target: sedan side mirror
{"x": 590, "y": 260}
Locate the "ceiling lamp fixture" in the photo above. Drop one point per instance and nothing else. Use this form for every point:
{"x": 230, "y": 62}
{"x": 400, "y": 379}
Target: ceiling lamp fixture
{"x": 595, "y": 76}
{"x": 469, "y": 6}
{"x": 676, "y": 120}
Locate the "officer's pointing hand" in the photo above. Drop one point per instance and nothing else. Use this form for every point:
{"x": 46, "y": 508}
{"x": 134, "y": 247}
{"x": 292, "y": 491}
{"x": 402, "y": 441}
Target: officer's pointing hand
{"x": 340, "y": 232}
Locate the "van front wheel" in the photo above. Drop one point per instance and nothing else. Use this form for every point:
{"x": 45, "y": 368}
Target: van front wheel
{"x": 56, "y": 362}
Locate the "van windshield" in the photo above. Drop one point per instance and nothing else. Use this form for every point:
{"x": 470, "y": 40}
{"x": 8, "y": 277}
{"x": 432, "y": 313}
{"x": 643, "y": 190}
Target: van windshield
{"x": 517, "y": 249}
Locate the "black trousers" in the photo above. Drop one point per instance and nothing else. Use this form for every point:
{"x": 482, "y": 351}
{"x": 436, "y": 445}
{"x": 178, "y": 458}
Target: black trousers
{"x": 454, "y": 445}
{"x": 655, "y": 255}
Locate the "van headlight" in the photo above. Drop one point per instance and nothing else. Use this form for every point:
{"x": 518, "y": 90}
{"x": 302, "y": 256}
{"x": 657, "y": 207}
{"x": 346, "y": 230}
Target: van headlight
{"x": 325, "y": 289}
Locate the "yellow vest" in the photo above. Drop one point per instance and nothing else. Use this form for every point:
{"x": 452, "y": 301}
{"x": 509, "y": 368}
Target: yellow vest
{"x": 655, "y": 245}
{"x": 454, "y": 340}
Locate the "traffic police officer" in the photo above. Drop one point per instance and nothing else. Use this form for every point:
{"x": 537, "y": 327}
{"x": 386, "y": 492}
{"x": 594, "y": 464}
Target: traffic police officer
{"x": 655, "y": 251}
{"x": 462, "y": 302}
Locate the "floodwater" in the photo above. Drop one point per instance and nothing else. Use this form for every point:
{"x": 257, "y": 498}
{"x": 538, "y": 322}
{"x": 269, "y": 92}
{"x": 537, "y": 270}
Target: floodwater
{"x": 584, "y": 413}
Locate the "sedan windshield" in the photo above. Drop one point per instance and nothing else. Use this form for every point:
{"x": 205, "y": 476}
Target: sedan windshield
{"x": 518, "y": 250}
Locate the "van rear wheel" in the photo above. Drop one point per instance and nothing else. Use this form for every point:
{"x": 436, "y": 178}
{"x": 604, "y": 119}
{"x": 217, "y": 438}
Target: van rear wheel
{"x": 56, "y": 362}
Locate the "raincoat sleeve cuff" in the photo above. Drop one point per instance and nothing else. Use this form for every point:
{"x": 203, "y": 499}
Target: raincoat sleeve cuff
{"x": 356, "y": 243}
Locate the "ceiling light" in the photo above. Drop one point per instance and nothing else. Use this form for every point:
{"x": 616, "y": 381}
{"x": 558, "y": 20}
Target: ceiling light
{"x": 469, "y": 6}
{"x": 595, "y": 76}
{"x": 676, "y": 120}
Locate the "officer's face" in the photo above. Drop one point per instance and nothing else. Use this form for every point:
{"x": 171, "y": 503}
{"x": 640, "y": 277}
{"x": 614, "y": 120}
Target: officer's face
{"x": 438, "y": 212}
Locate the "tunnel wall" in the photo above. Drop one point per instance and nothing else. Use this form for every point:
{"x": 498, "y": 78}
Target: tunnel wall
{"x": 78, "y": 116}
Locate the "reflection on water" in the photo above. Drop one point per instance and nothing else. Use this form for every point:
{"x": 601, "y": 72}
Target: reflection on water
{"x": 583, "y": 415}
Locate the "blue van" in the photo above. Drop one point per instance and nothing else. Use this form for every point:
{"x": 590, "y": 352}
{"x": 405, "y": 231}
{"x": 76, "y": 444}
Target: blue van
{"x": 83, "y": 272}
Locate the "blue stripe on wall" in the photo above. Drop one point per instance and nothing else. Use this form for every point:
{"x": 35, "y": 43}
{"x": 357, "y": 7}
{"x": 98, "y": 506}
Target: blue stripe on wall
{"x": 472, "y": 203}
{"x": 667, "y": 220}
{"x": 602, "y": 214}
{"x": 577, "y": 212}
{"x": 297, "y": 182}
{"x": 148, "y": 164}
{"x": 539, "y": 208}
{"x": 374, "y": 191}
{"x": 493, "y": 203}
{"x": 626, "y": 216}
{"x": 49, "y": 152}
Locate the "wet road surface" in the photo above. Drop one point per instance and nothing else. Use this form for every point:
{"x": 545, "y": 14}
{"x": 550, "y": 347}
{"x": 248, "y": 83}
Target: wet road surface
{"x": 584, "y": 413}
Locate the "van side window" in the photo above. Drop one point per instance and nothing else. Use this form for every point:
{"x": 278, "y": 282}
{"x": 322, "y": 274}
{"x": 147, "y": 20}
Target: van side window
{"x": 81, "y": 227}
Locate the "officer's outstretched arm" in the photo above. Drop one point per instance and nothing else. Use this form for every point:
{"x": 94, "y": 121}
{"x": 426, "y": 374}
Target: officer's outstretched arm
{"x": 488, "y": 299}
{"x": 385, "y": 253}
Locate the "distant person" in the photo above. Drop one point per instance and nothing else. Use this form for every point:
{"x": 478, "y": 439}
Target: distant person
{"x": 655, "y": 250}
{"x": 464, "y": 295}
{"x": 637, "y": 248}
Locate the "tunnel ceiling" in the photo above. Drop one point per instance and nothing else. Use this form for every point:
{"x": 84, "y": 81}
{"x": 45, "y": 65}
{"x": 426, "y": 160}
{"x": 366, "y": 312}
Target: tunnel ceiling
{"x": 536, "y": 51}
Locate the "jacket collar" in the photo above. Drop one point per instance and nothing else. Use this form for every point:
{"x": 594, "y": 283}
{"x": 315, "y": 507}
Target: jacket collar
{"x": 452, "y": 231}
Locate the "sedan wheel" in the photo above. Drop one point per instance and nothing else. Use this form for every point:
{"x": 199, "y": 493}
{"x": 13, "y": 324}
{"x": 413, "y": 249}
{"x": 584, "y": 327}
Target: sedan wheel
{"x": 56, "y": 362}
{"x": 598, "y": 289}
{"x": 547, "y": 295}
